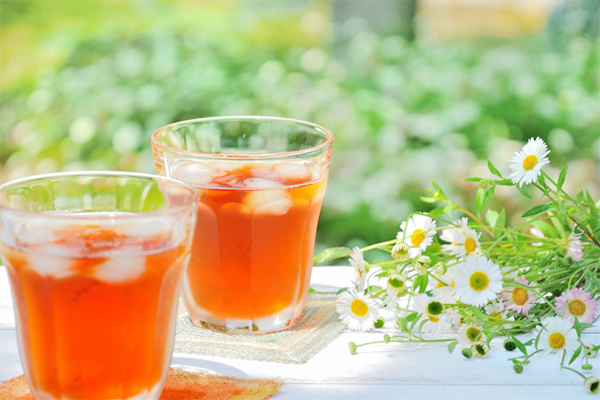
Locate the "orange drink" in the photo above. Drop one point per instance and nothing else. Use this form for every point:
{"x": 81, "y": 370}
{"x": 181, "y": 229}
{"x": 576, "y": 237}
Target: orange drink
{"x": 258, "y": 212}
{"x": 96, "y": 292}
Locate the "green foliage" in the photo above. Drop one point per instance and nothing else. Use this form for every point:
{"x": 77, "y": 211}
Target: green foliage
{"x": 402, "y": 112}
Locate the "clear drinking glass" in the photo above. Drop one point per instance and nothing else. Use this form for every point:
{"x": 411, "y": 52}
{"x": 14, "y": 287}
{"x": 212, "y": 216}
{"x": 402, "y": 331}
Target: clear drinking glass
{"x": 261, "y": 182}
{"x": 95, "y": 261}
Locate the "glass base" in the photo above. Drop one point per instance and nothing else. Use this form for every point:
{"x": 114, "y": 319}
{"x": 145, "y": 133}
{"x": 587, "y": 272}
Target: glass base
{"x": 282, "y": 320}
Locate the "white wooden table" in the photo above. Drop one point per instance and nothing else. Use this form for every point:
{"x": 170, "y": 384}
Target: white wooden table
{"x": 379, "y": 371}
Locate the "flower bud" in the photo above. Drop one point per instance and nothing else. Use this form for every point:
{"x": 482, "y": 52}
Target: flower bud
{"x": 379, "y": 323}
{"x": 483, "y": 183}
{"x": 587, "y": 366}
{"x": 386, "y": 338}
{"x": 509, "y": 345}
{"x": 589, "y": 351}
{"x": 352, "y": 346}
{"x": 591, "y": 385}
{"x": 518, "y": 368}
{"x": 401, "y": 252}
{"x": 438, "y": 270}
{"x": 467, "y": 353}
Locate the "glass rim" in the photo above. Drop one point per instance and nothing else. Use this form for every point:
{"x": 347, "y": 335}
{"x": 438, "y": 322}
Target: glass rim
{"x": 91, "y": 174}
{"x": 308, "y": 151}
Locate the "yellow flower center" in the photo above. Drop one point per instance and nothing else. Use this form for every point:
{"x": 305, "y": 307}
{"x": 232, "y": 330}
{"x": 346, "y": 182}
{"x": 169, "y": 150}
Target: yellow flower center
{"x": 556, "y": 340}
{"x": 479, "y": 281}
{"x": 473, "y": 334}
{"x": 417, "y": 237}
{"x": 577, "y": 307}
{"x": 497, "y": 317}
{"x": 360, "y": 273}
{"x": 520, "y": 296}
{"x": 440, "y": 285}
{"x": 359, "y": 308}
{"x": 529, "y": 162}
{"x": 470, "y": 245}
{"x": 434, "y": 319}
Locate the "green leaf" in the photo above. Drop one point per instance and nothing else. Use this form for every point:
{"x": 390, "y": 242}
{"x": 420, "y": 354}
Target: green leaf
{"x": 479, "y": 200}
{"x": 436, "y": 212}
{"x": 547, "y": 229}
{"x": 331, "y": 253}
{"x": 452, "y": 346}
{"x": 542, "y": 181}
{"x": 438, "y": 189}
{"x": 520, "y": 345}
{"x": 448, "y": 209}
{"x": 423, "y": 285}
{"x": 576, "y": 354}
{"x": 562, "y": 176}
{"x": 412, "y": 316}
{"x": 500, "y": 224}
{"x": 487, "y": 197}
{"x": 540, "y": 208}
{"x": 524, "y": 192}
{"x": 493, "y": 170}
{"x": 491, "y": 217}
{"x": 427, "y": 199}
{"x": 577, "y": 327}
{"x": 415, "y": 321}
{"x": 473, "y": 180}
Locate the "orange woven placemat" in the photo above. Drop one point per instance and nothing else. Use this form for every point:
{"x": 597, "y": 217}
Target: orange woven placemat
{"x": 181, "y": 385}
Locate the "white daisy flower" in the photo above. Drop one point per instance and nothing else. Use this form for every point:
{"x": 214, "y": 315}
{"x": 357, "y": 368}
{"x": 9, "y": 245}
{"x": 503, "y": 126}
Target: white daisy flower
{"x": 470, "y": 334}
{"x": 432, "y": 309}
{"x": 527, "y": 164}
{"x": 477, "y": 281}
{"x": 417, "y": 233}
{"x": 575, "y": 246}
{"x": 401, "y": 252}
{"x": 577, "y": 302}
{"x": 444, "y": 290}
{"x": 591, "y": 385}
{"x": 519, "y": 299}
{"x": 449, "y": 234}
{"x": 466, "y": 242}
{"x": 356, "y": 310}
{"x": 557, "y": 336}
{"x": 358, "y": 262}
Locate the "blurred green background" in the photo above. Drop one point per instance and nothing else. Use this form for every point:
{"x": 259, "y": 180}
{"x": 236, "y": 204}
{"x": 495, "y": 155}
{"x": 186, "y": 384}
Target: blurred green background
{"x": 413, "y": 90}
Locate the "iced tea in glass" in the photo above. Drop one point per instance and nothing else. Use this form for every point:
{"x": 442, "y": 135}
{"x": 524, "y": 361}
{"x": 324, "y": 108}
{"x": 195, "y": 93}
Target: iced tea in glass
{"x": 95, "y": 262}
{"x": 261, "y": 182}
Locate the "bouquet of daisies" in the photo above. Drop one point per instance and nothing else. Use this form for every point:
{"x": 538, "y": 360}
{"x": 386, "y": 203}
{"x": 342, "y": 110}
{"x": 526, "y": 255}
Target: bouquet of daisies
{"x": 475, "y": 278}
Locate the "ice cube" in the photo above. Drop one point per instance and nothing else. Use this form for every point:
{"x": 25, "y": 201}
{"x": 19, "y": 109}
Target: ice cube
{"x": 261, "y": 183}
{"x": 192, "y": 172}
{"x": 268, "y": 199}
{"x": 148, "y": 227}
{"x": 121, "y": 269}
{"x": 47, "y": 265}
{"x": 293, "y": 173}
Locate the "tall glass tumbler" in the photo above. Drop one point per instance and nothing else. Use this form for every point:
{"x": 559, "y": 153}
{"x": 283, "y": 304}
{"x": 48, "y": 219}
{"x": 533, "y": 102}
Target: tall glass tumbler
{"x": 95, "y": 261}
{"x": 261, "y": 182}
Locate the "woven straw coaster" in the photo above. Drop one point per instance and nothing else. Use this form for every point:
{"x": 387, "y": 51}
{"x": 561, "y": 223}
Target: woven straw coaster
{"x": 180, "y": 385}
{"x": 318, "y": 326}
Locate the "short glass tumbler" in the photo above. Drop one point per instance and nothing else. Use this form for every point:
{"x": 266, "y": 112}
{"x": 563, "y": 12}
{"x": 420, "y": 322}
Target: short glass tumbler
{"x": 95, "y": 261}
{"x": 261, "y": 182}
